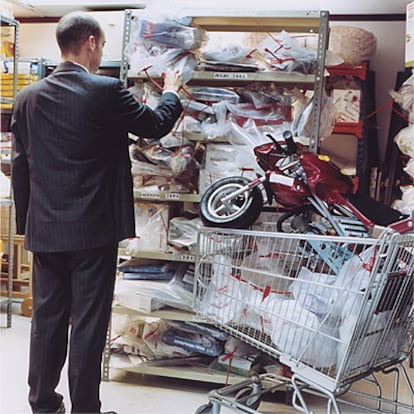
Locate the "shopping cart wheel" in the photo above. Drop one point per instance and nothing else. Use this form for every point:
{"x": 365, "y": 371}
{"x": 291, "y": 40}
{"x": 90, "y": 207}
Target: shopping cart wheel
{"x": 205, "y": 409}
{"x": 249, "y": 398}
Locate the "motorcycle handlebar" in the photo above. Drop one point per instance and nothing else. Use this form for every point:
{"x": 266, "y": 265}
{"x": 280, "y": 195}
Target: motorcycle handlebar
{"x": 290, "y": 143}
{"x": 291, "y": 147}
{"x": 277, "y": 145}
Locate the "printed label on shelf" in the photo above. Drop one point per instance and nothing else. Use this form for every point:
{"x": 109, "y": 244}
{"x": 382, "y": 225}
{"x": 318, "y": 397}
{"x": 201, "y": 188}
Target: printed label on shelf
{"x": 186, "y": 257}
{"x": 172, "y": 196}
{"x": 230, "y": 75}
{"x": 154, "y": 195}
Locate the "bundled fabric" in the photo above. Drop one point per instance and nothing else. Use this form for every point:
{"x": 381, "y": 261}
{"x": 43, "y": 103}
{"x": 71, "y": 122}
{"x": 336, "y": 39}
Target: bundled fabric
{"x": 352, "y": 44}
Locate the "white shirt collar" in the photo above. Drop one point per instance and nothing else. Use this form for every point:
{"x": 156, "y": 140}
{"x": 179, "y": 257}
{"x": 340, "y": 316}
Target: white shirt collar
{"x": 84, "y": 67}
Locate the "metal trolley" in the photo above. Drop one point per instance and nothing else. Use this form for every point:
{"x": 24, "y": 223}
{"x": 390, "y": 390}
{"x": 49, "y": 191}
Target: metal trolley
{"x": 334, "y": 310}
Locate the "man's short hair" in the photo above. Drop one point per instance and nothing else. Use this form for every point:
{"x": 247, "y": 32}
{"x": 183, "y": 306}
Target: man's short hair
{"x": 74, "y": 29}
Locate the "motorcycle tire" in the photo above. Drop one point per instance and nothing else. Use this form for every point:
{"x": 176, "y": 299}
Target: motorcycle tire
{"x": 244, "y": 210}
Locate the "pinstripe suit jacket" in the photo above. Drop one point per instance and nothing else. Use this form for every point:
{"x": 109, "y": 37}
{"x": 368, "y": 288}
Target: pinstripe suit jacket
{"x": 70, "y": 164}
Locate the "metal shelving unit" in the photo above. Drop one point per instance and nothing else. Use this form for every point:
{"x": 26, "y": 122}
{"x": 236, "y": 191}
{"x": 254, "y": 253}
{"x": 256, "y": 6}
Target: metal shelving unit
{"x": 253, "y": 21}
{"x": 205, "y": 374}
{"x": 8, "y": 203}
{"x": 364, "y": 130}
{"x": 234, "y": 21}
{"x": 7, "y": 301}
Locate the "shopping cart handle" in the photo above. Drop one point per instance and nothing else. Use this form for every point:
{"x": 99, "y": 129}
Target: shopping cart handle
{"x": 403, "y": 226}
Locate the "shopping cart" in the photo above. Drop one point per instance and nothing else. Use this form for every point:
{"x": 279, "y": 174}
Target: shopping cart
{"x": 334, "y": 310}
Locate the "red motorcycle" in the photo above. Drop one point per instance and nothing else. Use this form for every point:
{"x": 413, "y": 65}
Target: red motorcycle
{"x": 315, "y": 195}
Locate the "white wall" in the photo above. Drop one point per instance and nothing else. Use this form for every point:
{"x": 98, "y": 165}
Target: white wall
{"x": 38, "y": 39}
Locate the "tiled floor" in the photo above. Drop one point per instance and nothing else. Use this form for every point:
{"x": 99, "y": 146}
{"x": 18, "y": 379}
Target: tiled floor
{"x": 132, "y": 393}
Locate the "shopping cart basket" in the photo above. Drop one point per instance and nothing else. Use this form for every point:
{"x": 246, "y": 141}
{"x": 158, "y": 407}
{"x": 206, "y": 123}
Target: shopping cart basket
{"x": 335, "y": 310}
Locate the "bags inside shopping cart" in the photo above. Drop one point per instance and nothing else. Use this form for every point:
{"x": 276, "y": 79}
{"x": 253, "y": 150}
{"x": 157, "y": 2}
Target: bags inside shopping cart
{"x": 300, "y": 308}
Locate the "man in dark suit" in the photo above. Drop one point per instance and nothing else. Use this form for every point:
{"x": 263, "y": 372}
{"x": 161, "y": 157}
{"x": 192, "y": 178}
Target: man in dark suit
{"x": 74, "y": 203}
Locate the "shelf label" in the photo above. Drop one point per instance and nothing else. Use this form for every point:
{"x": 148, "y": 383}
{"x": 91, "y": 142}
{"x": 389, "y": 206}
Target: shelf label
{"x": 172, "y": 196}
{"x": 230, "y": 75}
{"x": 186, "y": 257}
{"x": 153, "y": 195}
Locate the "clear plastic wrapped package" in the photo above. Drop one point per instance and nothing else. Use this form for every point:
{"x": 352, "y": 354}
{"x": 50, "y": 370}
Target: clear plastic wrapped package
{"x": 405, "y": 97}
{"x": 172, "y": 33}
{"x": 283, "y": 53}
{"x": 405, "y": 141}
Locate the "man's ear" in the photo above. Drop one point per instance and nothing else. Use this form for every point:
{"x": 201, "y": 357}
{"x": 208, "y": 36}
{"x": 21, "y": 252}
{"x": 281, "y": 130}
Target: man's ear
{"x": 91, "y": 43}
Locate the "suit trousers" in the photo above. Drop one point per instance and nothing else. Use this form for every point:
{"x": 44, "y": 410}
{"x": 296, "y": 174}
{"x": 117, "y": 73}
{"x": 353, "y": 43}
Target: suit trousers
{"x": 72, "y": 299}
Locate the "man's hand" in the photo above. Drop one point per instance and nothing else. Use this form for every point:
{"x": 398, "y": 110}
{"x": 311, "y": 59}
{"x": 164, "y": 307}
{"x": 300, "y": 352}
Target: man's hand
{"x": 173, "y": 80}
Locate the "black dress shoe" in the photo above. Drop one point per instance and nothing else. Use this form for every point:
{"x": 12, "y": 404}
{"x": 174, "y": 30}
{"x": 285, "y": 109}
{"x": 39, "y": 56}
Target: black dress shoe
{"x": 109, "y": 412}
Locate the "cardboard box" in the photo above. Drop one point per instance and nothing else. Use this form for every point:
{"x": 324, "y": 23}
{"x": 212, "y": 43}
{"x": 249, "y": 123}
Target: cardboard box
{"x": 138, "y": 302}
{"x": 347, "y": 103}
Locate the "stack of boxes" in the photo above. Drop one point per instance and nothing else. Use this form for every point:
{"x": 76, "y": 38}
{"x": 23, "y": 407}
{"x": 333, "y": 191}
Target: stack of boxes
{"x": 27, "y": 74}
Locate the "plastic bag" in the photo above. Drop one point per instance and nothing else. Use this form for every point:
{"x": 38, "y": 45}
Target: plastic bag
{"x": 405, "y": 97}
{"x": 283, "y": 53}
{"x": 229, "y": 53}
{"x": 152, "y": 335}
{"x": 354, "y": 276}
{"x": 409, "y": 168}
{"x": 302, "y": 119}
{"x": 328, "y": 117}
{"x": 182, "y": 232}
{"x": 216, "y": 126}
{"x": 223, "y": 160}
{"x": 147, "y": 337}
{"x": 405, "y": 140}
{"x": 248, "y": 134}
{"x": 147, "y": 175}
{"x": 406, "y": 203}
{"x": 314, "y": 291}
{"x": 271, "y": 114}
{"x": 300, "y": 334}
{"x": 265, "y": 94}
{"x": 172, "y": 33}
{"x": 351, "y": 315}
{"x": 223, "y": 300}
{"x": 262, "y": 268}
{"x": 185, "y": 164}
{"x": 154, "y": 59}
{"x": 151, "y": 226}
{"x": 210, "y": 94}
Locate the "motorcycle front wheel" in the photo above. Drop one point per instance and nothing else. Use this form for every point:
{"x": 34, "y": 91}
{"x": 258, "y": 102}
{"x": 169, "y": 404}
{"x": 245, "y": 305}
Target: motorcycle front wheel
{"x": 240, "y": 211}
